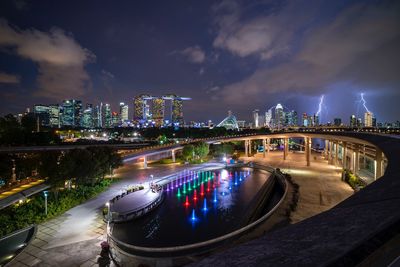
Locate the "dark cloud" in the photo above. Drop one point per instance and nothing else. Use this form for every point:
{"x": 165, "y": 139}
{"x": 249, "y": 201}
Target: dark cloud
{"x": 60, "y": 58}
{"x": 9, "y": 78}
{"x": 334, "y": 52}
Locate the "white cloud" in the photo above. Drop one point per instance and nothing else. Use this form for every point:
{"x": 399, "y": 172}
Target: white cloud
{"x": 60, "y": 58}
{"x": 194, "y": 54}
{"x": 9, "y": 78}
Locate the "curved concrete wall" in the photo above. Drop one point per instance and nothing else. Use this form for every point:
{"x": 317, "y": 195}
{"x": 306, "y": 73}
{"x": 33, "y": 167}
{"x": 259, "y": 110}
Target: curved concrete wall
{"x": 341, "y": 236}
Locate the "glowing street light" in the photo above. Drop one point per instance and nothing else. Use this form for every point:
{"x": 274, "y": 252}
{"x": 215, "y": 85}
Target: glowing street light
{"x": 45, "y": 193}
{"x": 108, "y": 212}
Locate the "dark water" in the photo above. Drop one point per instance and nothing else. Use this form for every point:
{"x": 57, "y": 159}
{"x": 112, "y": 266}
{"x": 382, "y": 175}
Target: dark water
{"x": 173, "y": 223}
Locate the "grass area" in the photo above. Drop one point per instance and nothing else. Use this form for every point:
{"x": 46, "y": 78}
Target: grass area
{"x": 32, "y": 211}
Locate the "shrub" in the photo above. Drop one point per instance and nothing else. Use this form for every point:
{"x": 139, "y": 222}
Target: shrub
{"x": 32, "y": 211}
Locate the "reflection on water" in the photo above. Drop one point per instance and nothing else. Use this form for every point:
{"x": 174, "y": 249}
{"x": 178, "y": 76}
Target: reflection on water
{"x": 198, "y": 206}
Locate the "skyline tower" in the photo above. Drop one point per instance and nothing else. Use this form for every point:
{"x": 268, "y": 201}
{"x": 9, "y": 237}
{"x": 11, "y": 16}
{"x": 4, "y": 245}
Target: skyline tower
{"x": 256, "y": 118}
{"x": 158, "y": 108}
{"x": 123, "y": 112}
{"x": 368, "y": 119}
{"x": 279, "y": 116}
{"x": 71, "y": 112}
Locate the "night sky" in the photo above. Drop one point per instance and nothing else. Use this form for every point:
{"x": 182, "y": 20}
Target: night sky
{"x": 225, "y": 55}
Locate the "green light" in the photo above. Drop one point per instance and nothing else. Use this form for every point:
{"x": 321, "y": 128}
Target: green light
{"x": 179, "y": 193}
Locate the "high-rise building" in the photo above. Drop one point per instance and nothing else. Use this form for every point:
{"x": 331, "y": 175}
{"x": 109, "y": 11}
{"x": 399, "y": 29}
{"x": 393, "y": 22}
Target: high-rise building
{"x": 141, "y": 108}
{"x": 291, "y": 118}
{"x": 72, "y": 112}
{"x": 268, "y": 118}
{"x": 337, "y": 121}
{"x": 255, "y": 119}
{"x": 115, "y": 119}
{"x": 368, "y": 119}
{"x": 304, "y": 120}
{"x": 87, "y": 118}
{"x": 106, "y": 116}
{"x": 316, "y": 120}
{"x": 54, "y": 116}
{"x": 123, "y": 112}
{"x": 158, "y": 104}
{"x": 97, "y": 116}
{"x": 279, "y": 116}
{"x": 42, "y": 114}
{"x": 353, "y": 121}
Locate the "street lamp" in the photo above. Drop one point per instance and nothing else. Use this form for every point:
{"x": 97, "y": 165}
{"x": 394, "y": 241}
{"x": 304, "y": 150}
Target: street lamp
{"x": 45, "y": 193}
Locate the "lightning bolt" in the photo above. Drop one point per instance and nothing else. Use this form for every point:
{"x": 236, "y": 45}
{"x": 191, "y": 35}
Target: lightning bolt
{"x": 364, "y": 103}
{"x": 321, "y": 102}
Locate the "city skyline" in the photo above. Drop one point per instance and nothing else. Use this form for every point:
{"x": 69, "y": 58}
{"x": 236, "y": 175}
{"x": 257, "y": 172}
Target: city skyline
{"x": 202, "y": 50}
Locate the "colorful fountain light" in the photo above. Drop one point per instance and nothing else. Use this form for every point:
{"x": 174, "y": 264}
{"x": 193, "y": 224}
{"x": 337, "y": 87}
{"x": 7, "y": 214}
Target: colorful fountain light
{"x": 205, "y": 204}
{"x": 189, "y": 187}
{"x": 187, "y": 201}
{"x": 179, "y": 193}
{"x": 167, "y": 187}
{"x": 236, "y": 183}
{"x": 184, "y": 188}
{"x": 193, "y": 218}
{"x": 208, "y": 186}
{"x": 195, "y": 195}
{"x": 194, "y": 182}
{"x": 202, "y": 189}
{"x": 215, "y": 196}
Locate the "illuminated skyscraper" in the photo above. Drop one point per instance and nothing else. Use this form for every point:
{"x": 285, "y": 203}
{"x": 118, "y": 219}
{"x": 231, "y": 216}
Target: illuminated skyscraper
{"x": 87, "y": 118}
{"x": 291, "y": 118}
{"x": 304, "y": 120}
{"x": 42, "y": 114}
{"x": 54, "y": 116}
{"x": 368, "y": 118}
{"x": 115, "y": 119}
{"x": 141, "y": 108}
{"x": 279, "y": 116}
{"x": 72, "y": 112}
{"x": 353, "y": 121}
{"x": 256, "y": 119}
{"x": 268, "y": 118}
{"x": 123, "y": 112}
{"x": 158, "y": 104}
{"x": 316, "y": 120}
{"x": 106, "y": 116}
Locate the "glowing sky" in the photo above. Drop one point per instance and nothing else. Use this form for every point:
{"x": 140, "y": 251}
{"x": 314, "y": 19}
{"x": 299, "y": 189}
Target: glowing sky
{"x": 226, "y": 55}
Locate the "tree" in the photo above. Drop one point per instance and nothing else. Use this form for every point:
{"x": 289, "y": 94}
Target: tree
{"x": 188, "y": 152}
{"x": 201, "y": 149}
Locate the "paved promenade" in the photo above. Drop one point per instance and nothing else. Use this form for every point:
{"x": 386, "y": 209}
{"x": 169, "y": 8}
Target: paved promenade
{"x": 73, "y": 239}
{"x": 321, "y": 187}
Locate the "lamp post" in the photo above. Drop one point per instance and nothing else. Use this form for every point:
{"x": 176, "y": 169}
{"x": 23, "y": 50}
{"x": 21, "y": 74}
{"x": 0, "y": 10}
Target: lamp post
{"x": 45, "y": 193}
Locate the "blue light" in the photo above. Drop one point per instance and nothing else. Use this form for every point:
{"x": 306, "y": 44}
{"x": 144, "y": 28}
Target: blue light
{"x": 193, "y": 218}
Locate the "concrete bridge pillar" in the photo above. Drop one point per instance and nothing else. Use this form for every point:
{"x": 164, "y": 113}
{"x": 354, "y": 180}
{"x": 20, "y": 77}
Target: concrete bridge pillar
{"x": 145, "y": 162}
{"x": 307, "y": 149}
{"x": 173, "y": 156}
{"x": 326, "y": 153}
{"x": 344, "y": 160}
{"x": 268, "y": 143}
{"x": 246, "y": 151}
{"x": 265, "y": 147}
{"x": 250, "y": 147}
{"x": 336, "y": 160}
{"x": 285, "y": 148}
{"x": 330, "y": 152}
{"x": 378, "y": 163}
{"x": 356, "y": 159}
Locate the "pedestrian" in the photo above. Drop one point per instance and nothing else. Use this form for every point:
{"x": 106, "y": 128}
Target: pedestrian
{"x": 104, "y": 259}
